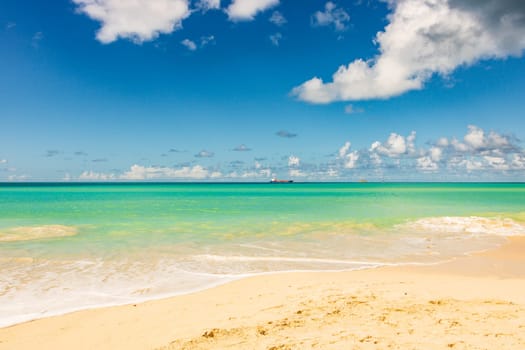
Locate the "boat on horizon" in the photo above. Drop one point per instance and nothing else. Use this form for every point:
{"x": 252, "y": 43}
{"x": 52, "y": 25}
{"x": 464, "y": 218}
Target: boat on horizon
{"x": 274, "y": 180}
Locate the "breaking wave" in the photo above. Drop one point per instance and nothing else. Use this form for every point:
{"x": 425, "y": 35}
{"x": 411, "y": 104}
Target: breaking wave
{"x": 472, "y": 225}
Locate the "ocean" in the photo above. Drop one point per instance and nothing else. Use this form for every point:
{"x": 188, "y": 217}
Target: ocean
{"x": 66, "y": 247}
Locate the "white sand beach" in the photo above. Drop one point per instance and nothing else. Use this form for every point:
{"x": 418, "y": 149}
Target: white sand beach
{"x": 474, "y": 302}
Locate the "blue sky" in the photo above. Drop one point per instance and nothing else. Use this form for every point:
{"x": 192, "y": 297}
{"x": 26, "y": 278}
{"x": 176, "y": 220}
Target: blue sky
{"x": 245, "y": 90}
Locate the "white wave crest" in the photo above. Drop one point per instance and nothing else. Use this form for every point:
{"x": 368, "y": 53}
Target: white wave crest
{"x": 473, "y": 225}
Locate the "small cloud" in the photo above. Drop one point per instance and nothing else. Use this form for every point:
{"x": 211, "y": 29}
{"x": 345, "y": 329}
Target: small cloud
{"x": 93, "y": 176}
{"x": 37, "y": 37}
{"x": 3, "y": 161}
{"x": 245, "y": 10}
{"x": 351, "y": 109}
{"x": 206, "y": 5}
{"x": 163, "y": 155}
{"x": 242, "y": 148}
{"x": 286, "y": 134}
{"x": 139, "y": 172}
{"x": 205, "y": 40}
{"x": 297, "y": 173}
{"x": 276, "y": 38}
{"x": 52, "y": 153}
{"x": 174, "y": 150}
{"x": 80, "y": 153}
{"x": 332, "y": 15}
{"x": 293, "y": 161}
{"x": 190, "y": 45}
{"x": 278, "y": 19}
{"x": 99, "y": 160}
{"x": 426, "y": 164}
{"x": 10, "y": 25}
{"x": 204, "y": 154}
{"x": 18, "y": 177}
{"x": 395, "y": 146}
{"x": 348, "y": 157}
{"x": 137, "y": 20}
{"x": 343, "y": 151}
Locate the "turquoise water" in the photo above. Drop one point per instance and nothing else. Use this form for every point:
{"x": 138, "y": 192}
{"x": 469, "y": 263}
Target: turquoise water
{"x": 71, "y": 246}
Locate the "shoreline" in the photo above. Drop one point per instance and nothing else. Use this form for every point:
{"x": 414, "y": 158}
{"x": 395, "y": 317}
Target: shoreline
{"x": 236, "y": 311}
{"x": 213, "y": 285}
{"x": 230, "y": 279}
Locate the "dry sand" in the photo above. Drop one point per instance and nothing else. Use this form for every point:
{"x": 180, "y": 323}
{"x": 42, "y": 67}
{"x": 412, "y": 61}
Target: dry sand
{"x": 475, "y": 302}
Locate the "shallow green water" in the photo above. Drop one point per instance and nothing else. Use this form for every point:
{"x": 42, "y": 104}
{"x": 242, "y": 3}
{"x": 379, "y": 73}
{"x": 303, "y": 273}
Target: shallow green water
{"x": 80, "y": 245}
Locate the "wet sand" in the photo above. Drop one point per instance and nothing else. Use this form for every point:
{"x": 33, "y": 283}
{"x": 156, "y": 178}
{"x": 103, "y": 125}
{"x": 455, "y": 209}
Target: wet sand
{"x": 474, "y": 302}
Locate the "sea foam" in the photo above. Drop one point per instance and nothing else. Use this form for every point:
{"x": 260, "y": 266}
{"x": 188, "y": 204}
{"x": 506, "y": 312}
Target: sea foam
{"x": 473, "y": 225}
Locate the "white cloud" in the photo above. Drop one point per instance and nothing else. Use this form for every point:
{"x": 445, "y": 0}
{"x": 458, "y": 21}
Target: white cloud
{"x": 278, "y": 19}
{"x": 205, "y": 40}
{"x": 458, "y": 146}
{"x": 293, "y": 161}
{"x": 332, "y": 15}
{"x": 475, "y": 137}
{"x": 93, "y": 176}
{"x": 139, "y": 172}
{"x": 472, "y": 164}
{"x": 215, "y": 175}
{"x": 18, "y": 177}
{"x": 331, "y": 172}
{"x": 190, "y": 45}
{"x": 344, "y": 149}
{"x": 395, "y": 146}
{"x": 251, "y": 174}
{"x": 496, "y": 162}
{"x": 276, "y": 38}
{"x": 137, "y": 20}
{"x": 265, "y": 172}
{"x": 297, "y": 173}
{"x": 435, "y": 154}
{"x": 426, "y": 164}
{"x": 206, "y": 5}
{"x": 424, "y": 37}
{"x": 410, "y": 139}
{"x": 442, "y": 142}
{"x": 518, "y": 161}
{"x": 242, "y": 148}
{"x": 3, "y": 161}
{"x": 204, "y": 154}
{"x": 351, "y": 160}
{"x": 245, "y": 10}
{"x": 351, "y": 109}
{"x": 37, "y": 37}
{"x": 484, "y": 152}
{"x": 477, "y": 140}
